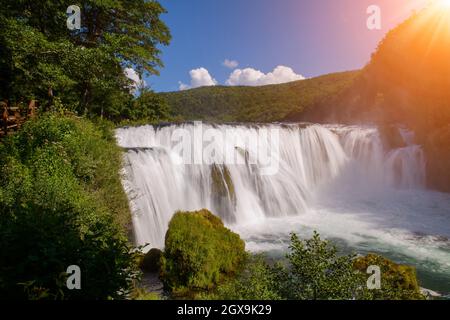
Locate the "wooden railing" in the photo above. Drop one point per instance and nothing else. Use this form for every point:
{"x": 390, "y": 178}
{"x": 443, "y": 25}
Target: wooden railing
{"x": 12, "y": 117}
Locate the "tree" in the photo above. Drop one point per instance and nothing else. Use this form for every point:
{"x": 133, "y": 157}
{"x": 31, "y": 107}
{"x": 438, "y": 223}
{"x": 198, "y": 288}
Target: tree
{"x": 316, "y": 272}
{"x": 60, "y": 205}
{"x": 257, "y": 281}
{"x": 148, "y": 106}
{"x": 43, "y": 59}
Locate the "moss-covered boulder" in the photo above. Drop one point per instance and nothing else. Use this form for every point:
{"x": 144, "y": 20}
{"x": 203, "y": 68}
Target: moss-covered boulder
{"x": 398, "y": 282}
{"x": 151, "y": 261}
{"x": 223, "y": 192}
{"x": 199, "y": 252}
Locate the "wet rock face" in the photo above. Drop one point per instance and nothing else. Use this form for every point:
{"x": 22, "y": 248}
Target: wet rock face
{"x": 437, "y": 148}
{"x": 223, "y": 192}
{"x": 390, "y": 137}
{"x": 151, "y": 263}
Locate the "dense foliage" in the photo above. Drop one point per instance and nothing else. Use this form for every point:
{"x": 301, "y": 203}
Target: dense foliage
{"x": 313, "y": 270}
{"x": 62, "y": 204}
{"x": 317, "y": 272}
{"x": 40, "y": 58}
{"x": 199, "y": 252}
{"x": 257, "y": 104}
{"x": 148, "y": 107}
{"x": 256, "y": 281}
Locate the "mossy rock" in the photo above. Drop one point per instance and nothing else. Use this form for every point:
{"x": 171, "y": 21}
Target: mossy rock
{"x": 398, "y": 282}
{"x": 199, "y": 252}
{"x": 223, "y": 192}
{"x": 151, "y": 261}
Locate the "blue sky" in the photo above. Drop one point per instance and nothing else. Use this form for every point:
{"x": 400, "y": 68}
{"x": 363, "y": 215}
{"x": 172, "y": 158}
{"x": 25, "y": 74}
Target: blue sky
{"x": 312, "y": 37}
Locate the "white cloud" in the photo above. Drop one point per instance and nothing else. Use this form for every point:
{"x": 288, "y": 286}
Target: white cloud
{"x": 232, "y": 64}
{"x": 199, "y": 78}
{"x": 183, "y": 86}
{"x": 131, "y": 74}
{"x": 252, "y": 77}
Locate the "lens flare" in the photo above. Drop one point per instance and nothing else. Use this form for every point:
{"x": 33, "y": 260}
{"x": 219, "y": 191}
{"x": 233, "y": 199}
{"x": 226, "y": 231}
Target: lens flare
{"x": 444, "y": 3}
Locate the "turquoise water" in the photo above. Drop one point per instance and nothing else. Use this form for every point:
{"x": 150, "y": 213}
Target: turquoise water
{"x": 408, "y": 227}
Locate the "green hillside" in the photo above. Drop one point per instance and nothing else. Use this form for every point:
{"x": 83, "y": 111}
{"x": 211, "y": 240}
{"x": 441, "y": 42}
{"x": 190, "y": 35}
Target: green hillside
{"x": 407, "y": 81}
{"x": 257, "y": 104}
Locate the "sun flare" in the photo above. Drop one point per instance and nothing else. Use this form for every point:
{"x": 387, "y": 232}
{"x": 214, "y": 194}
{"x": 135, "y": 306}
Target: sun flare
{"x": 443, "y": 3}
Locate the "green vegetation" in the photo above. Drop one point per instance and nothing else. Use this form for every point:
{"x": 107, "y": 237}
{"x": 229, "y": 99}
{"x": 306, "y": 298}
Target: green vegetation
{"x": 256, "y": 281}
{"x": 317, "y": 272}
{"x": 142, "y": 295}
{"x": 398, "y": 282}
{"x": 83, "y": 69}
{"x": 199, "y": 252}
{"x": 407, "y": 81}
{"x": 257, "y": 104}
{"x": 62, "y": 204}
{"x": 196, "y": 264}
{"x": 410, "y": 70}
{"x": 222, "y": 184}
{"x": 61, "y": 199}
{"x": 148, "y": 108}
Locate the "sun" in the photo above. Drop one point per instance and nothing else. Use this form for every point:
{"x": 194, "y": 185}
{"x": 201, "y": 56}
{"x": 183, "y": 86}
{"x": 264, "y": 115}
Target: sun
{"x": 443, "y": 3}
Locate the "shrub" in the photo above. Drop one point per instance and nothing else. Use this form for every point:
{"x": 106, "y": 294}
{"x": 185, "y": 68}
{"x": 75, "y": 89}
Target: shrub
{"x": 317, "y": 272}
{"x": 199, "y": 252}
{"x": 257, "y": 281}
{"x": 57, "y": 208}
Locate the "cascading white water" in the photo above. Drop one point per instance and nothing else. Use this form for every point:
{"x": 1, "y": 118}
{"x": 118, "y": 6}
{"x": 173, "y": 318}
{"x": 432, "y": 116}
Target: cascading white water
{"x": 160, "y": 178}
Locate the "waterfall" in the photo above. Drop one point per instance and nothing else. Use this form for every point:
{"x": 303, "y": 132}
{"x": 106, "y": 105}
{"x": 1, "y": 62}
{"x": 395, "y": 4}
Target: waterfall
{"x": 246, "y": 173}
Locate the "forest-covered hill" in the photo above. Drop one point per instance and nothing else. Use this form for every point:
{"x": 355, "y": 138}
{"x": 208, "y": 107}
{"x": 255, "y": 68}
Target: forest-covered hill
{"x": 258, "y": 104}
{"x": 408, "y": 81}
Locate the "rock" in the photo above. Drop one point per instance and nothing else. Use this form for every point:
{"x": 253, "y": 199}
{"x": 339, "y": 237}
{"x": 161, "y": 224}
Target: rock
{"x": 397, "y": 281}
{"x": 390, "y": 137}
{"x": 199, "y": 252}
{"x": 151, "y": 262}
{"x": 224, "y": 195}
{"x": 430, "y": 294}
{"x": 437, "y": 152}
